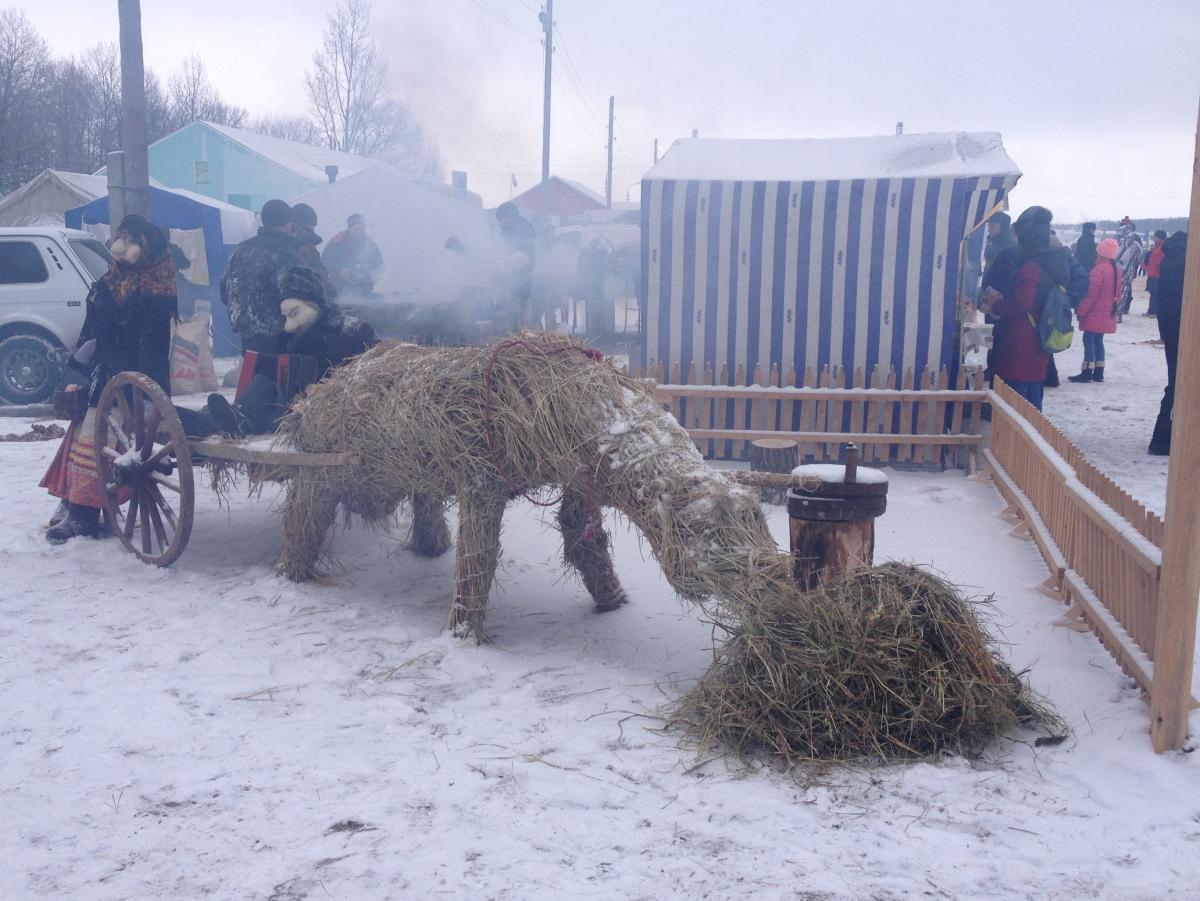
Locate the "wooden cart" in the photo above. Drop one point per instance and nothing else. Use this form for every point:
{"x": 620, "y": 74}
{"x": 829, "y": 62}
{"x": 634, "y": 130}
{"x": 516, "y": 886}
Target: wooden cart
{"x": 146, "y": 465}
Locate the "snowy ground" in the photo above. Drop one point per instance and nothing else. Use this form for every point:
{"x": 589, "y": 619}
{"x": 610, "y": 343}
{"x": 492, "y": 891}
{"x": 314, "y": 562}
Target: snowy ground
{"x": 1112, "y": 422}
{"x": 212, "y": 730}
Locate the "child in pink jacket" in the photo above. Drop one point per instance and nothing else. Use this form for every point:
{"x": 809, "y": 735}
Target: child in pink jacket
{"x": 1098, "y": 311}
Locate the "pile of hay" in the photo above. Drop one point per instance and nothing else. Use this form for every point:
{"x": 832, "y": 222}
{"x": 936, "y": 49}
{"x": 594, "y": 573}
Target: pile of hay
{"x": 887, "y": 663}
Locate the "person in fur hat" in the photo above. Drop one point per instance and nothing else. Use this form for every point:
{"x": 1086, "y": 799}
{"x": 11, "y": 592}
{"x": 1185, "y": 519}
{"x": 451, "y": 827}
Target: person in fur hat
{"x": 312, "y": 328}
{"x": 127, "y": 327}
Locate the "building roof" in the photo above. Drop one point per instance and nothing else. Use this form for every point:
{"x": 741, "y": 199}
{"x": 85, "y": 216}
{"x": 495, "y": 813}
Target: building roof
{"x": 581, "y": 188}
{"x": 939, "y": 155}
{"x": 305, "y": 160}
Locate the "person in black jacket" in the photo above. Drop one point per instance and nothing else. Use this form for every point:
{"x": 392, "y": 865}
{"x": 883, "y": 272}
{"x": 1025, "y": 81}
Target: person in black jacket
{"x": 518, "y": 244}
{"x": 999, "y": 237}
{"x": 1085, "y": 247}
{"x": 250, "y": 287}
{"x": 127, "y": 327}
{"x": 1169, "y": 301}
{"x": 315, "y": 331}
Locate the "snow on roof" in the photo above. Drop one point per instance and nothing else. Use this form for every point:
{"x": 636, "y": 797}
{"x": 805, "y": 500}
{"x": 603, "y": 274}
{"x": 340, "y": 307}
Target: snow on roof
{"x": 580, "y": 188}
{"x": 941, "y": 155}
{"x": 305, "y": 160}
{"x": 91, "y": 185}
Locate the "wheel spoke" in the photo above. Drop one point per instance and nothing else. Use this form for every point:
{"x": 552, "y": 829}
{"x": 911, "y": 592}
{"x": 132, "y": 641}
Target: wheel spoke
{"x": 165, "y": 482}
{"x": 139, "y": 421}
{"x": 167, "y": 512}
{"x": 156, "y": 520}
{"x": 145, "y": 527}
{"x": 109, "y": 452}
{"x": 123, "y": 443}
{"x": 130, "y": 518}
{"x": 157, "y": 456}
{"x": 150, "y": 432}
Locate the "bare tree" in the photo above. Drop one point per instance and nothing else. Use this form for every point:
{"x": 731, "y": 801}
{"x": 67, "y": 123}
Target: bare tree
{"x": 348, "y": 90}
{"x": 25, "y": 71}
{"x": 193, "y": 97}
{"x": 300, "y": 129}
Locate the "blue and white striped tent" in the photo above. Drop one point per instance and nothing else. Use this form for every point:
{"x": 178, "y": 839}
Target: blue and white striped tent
{"x": 806, "y": 253}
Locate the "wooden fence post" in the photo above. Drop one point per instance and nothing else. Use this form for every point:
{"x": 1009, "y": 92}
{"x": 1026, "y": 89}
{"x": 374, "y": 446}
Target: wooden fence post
{"x": 1179, "y": 587}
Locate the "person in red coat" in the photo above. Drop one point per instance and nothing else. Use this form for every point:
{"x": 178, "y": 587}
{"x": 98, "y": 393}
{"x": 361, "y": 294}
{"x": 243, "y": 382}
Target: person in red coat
{"x": 1017, "y": 289}
{"x": 1152, "y": 268}
{"x": 1098, "y": 311}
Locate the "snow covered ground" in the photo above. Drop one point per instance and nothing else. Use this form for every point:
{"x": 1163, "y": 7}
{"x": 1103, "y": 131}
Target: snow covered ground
{"x": 213, "y": 730}
{"x": 1112, "y": 421}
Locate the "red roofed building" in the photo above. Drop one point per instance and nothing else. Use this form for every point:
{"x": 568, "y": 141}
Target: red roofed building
{"x": 567, "y": 198}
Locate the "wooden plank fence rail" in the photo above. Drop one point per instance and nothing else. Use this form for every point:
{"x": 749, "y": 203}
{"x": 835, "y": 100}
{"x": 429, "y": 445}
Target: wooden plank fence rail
{"x": 924, "y": 421}
{"x": 1102, "y": 546}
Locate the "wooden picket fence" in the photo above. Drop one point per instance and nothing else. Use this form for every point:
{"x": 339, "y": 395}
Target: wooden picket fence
{"x": 920, "y": 421}
{"x": 1101, "y": 545}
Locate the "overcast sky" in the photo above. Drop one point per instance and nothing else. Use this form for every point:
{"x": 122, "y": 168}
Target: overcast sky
{"x": 1096, "y": 101}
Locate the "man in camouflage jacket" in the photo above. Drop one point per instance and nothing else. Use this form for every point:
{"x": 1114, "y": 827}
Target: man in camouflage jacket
{"x": 250, "y": 287}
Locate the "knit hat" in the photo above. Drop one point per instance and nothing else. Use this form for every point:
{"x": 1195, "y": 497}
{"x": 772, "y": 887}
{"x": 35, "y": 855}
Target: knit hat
{"x": 1108, "y": 248}
{"x": 1001, "y": 219}
{"x": 301, "y": 283}
{"x": 356, "y": 219}
{"x": 276, "y": 214}
{"x": 1089, "y": 228}
{"x": 1033, "y": 226}
{"x": 303, "y": 214}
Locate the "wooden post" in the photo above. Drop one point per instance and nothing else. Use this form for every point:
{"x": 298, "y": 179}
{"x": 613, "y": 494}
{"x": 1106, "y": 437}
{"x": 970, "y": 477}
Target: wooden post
{"x": 133, "y": 111}
{"x": 773, "y": 455}
{"x": 832, "y": 520}
{"x": 1179, "y": 587}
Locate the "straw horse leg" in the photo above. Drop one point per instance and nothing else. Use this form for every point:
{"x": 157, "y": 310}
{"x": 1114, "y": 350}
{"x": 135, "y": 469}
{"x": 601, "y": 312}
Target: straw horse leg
{"x": 308, "y": 513}
{"x": 585, "y": 547}
{"x": 480, "y": 514}
{"x": 430, "y": 535}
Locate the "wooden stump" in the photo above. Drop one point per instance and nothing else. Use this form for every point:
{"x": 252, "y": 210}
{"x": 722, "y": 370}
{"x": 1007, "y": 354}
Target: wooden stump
{"x": 773, "y": 455}
{"x": 824, "y": 550}
{"x": 832, "y": 514}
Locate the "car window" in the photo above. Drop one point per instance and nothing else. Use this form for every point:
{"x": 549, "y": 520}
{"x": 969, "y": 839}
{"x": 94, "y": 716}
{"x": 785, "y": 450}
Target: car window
{"x": 21, "y": 263}
{"x": 93, "y": 255}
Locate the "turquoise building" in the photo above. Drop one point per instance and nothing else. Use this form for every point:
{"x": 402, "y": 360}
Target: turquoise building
{"x": 244, "y": 168}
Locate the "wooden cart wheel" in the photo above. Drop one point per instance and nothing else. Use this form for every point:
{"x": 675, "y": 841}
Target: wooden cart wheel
{"x": 145, "y": 466}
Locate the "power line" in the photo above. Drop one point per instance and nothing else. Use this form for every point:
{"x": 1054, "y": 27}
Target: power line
{"x": 529, "y": 6}
{"x": 508, "y": 23}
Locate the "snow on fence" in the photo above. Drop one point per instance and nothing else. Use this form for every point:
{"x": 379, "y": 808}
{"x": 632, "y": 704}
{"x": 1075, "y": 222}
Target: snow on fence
{"x": 1101, "y": 545}
{"x": 920, "y": 422}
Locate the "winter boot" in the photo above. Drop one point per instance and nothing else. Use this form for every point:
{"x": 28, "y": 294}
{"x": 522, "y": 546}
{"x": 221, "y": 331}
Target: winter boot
{"x": 59, "y": 514}
{"x": 1085, "y": 375}
{"x": 227, "y": 417}
{"x": 80, "y": 521}
{"x": 1098, "y": 372}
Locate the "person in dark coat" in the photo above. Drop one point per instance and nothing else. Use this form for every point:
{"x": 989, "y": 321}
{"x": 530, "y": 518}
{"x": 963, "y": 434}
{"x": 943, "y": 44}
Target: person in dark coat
{"x": 999, "y": 237}
{"x": 518, "y": 244}
{"x": 353, "y": 259}
{"x": 250, "y": 287}
{"x": 315, "y": 330}
{"x": 304, "y": 230}
{"x": 1085, "y": 247}
{"x": 1015, "y": 289}
{"x": 1152, "y": 267}
{"x": 127, "y": 327}
{"x": 1169, "y": 301}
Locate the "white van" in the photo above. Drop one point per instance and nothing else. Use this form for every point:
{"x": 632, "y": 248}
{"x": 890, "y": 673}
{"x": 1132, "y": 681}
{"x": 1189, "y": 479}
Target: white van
{"x": 45, "y": 276}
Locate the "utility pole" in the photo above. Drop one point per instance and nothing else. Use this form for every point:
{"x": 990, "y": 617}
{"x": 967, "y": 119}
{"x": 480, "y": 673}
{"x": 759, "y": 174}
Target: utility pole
{"x": 608, "y": 179}
{"x": 546, "y": 17}
{"x": 133, "y": 111}
{"x": 656, "y": 151}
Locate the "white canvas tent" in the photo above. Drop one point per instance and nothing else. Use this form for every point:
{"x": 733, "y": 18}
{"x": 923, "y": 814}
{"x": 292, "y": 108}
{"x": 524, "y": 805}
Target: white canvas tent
{"x": 410, "y": 219}
{"x": 43, "y": 199}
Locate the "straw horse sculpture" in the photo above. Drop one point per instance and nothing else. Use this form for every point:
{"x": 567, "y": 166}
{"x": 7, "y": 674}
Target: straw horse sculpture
{"x": 484, "y": 425}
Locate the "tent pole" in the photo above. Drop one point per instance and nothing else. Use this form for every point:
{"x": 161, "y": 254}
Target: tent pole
{"x": 1179, "y": 585}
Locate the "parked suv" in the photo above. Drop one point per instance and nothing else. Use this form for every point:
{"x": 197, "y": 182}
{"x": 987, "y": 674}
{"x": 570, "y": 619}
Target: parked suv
{"x": 45, "y": 276}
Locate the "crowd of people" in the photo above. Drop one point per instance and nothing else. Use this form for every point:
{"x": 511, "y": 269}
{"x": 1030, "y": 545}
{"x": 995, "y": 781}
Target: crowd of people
{"x": 1026, "y": 268}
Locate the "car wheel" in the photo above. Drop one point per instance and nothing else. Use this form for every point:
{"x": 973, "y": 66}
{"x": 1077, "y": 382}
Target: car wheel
{"x": 28, "y": 369}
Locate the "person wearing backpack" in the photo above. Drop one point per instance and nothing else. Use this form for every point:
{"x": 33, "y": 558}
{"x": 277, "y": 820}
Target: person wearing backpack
{"x": 1024, "y": 280}
{"x": 1098, "y": 311}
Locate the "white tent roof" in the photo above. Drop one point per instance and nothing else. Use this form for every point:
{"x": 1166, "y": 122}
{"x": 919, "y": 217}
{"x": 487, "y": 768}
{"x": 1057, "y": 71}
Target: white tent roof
{"x": 942, "y": 155}
{"x": 305, "y": 160}
{"x": 44, "y": 198}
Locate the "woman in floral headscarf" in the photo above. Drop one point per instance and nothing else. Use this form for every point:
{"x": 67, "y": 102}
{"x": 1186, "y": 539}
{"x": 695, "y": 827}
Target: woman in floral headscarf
{"x": 127, "y": 328}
